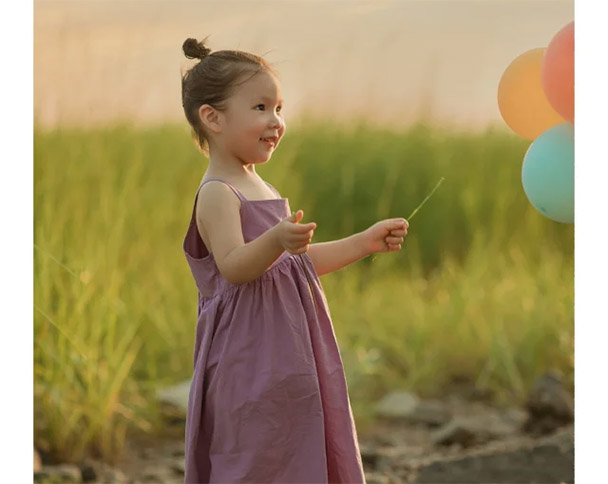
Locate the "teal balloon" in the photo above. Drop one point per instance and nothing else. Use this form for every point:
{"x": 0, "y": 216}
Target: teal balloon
{"x": 548, "y": 173}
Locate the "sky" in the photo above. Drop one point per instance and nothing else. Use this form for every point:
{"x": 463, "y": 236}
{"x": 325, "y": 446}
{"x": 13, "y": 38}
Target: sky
{"x": 392, "y": 62}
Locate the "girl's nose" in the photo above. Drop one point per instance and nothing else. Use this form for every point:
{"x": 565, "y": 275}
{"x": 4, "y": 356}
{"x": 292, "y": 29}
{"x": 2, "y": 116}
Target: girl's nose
{"x": 277, "y": 121}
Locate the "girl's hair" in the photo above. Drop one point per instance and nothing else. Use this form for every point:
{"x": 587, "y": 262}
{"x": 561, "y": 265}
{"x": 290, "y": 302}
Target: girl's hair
{"x": 213, "y": 80}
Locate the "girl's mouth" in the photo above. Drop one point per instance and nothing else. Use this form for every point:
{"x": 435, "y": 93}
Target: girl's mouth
{"x": 270, "y": 142}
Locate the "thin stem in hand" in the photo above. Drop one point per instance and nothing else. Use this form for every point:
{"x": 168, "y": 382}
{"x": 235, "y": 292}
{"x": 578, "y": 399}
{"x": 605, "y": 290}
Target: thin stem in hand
{"x": 424, "y": 201}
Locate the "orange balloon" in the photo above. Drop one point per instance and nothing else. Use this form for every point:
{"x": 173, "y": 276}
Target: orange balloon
{"x": 558, "y": 72}
{"x": 521, "y": 98}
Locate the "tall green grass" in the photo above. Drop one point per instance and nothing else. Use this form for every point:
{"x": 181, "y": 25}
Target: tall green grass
{"x": 482, "y": 288}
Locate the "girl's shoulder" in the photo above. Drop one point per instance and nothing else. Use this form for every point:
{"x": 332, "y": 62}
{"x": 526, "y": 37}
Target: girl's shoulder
{"x": 216, "y": 195}
{"x": 246, "y": 190}
{"x": 218, "y": 219}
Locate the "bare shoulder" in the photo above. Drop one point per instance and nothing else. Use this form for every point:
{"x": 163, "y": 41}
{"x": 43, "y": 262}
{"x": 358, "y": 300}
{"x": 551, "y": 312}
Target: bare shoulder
{"x": 218, "y": 219}
{"x": 215, "y": 196}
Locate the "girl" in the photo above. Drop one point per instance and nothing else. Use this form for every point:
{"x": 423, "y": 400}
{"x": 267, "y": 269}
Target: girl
{"x": 268, "y": 399}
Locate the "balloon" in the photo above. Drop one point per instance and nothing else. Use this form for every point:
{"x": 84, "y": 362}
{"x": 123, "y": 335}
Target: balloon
{"x": 548, "y": 173}
{"x": 521, "y": 98}
{"x": 557, "y": 72}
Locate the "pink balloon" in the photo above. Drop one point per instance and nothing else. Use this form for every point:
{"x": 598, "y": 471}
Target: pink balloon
{"x": 557, "y": 72}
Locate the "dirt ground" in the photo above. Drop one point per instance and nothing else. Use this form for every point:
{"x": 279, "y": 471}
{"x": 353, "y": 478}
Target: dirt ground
{"x": 396, "y": 452}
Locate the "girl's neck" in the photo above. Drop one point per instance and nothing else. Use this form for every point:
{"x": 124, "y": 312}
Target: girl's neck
{"x": 231, "y": 169}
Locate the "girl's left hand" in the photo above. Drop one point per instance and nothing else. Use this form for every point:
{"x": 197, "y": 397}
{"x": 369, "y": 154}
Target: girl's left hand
{"x": 385, "y": 236}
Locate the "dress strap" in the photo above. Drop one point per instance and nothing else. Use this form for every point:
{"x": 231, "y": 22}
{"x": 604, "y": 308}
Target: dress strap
{"x": 234, "y": 189}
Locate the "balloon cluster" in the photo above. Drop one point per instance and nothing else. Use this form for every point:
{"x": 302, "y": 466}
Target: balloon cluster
{"x": 536, "y": 100}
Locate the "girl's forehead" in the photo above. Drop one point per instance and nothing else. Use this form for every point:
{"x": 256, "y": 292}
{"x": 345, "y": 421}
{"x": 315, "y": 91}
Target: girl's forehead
{"x": 261, "y": 85}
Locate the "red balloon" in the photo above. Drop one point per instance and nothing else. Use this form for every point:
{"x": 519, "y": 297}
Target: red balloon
{"x": 557, "y": 72}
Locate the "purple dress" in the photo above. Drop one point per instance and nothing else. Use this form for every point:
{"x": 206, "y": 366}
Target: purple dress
{"x": 268, "y": 398}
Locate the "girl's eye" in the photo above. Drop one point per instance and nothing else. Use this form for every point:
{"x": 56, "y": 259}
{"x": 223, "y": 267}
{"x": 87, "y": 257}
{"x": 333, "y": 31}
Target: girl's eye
{"x": 279, "y": 107}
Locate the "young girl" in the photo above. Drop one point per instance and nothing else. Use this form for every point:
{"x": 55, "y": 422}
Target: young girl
{"x": 268, "y": 399}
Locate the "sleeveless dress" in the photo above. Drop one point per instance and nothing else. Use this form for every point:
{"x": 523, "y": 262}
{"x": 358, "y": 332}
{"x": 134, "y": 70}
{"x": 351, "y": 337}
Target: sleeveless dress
{"x": 268, "y": 398}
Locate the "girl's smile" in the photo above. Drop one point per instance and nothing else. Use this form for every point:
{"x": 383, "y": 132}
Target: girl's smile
{"x": 270, "y": 142}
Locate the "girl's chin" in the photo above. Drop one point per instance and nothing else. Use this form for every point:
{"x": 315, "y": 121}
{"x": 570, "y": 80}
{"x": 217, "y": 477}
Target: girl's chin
{"x": 265, "y": 156}
{"x": 259, "y": 161}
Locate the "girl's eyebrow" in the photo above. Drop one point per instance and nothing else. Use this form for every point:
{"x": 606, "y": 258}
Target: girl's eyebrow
{"x": 266, "y": 98}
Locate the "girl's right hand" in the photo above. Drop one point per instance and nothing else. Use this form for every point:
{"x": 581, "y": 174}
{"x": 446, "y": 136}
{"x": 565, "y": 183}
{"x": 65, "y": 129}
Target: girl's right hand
{"x": 293, "y": 237}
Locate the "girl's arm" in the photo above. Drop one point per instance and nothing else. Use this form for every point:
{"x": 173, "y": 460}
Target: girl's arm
{"x": 239, "y": 262}
{"x": 218, "y": 212}
{"x": 331, "y": 256}
{"x": 384, "y": 236}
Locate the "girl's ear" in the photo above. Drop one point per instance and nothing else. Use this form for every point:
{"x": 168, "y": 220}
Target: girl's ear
{"x": 210, "y": 118}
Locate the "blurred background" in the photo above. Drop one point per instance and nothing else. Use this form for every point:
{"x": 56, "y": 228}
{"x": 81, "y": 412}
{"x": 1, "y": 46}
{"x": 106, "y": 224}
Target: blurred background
{"x": 382, "y": 99}
{"x": 390, "y": 62}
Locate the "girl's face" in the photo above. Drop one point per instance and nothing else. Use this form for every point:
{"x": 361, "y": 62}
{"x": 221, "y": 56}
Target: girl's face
{"x": 253, "y": 112}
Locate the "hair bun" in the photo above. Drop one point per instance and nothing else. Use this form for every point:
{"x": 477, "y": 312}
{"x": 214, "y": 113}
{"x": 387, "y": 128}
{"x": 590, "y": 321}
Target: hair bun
{"x": 194, "y": 49}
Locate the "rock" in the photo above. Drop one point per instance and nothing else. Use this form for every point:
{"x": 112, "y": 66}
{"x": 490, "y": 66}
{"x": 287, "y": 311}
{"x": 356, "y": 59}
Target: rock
{"x": 549, "y": 405}
{"x": 161, "y": 473}
{"x": 151, "y": 478}
{"x": 515, "y": 416}
{"x": 431, "y": 413}
{"x": 176, "y": 395}
{"x": 375, "y": 478}
{"x": 393, "y": 459}
{"x": 94, "y": 471}
{"x": 58, "y": 474}
{"x": 472, "y": 430}
{"x": 387, "y": 477}
{"x": 178, "y": 466}
{"x": 459, "y": 431}
{"x": 113, "y": 475}
{"x": 178, "y": 452}
{"x": 174, "y": 417}
{"x": 88, "y": 473}
{"x": 369, "y": 456}
{"x": 549, "y": 460}
{"x": 407, "y": 407}
{"x": 396, "y": 405}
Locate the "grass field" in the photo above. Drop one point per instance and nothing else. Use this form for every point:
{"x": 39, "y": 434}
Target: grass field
{"x": 482, "y": 291}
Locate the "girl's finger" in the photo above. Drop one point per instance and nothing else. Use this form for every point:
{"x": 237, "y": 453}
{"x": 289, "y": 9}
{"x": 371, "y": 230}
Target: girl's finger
{"x": 399, "y": 233}
{"x": 302, "y": 228}
{"x": 393, "y": 240}
{"x": 397, "y": 223}
{"x": 300, "y": 240}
